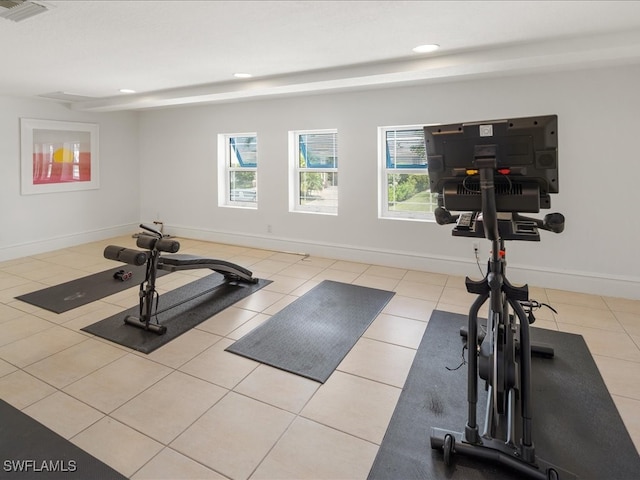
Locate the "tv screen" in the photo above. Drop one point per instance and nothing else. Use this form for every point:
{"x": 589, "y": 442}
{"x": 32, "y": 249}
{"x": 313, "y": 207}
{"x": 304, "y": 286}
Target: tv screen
{"x": 526, "y": 162}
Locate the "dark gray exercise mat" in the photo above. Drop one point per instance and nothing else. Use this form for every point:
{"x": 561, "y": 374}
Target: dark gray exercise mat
{"x": 576, "y": 425}
{"x": 73, "y": 294}
{"x": 29, "y": 450}
{"x": 218, "y": 294}
{"x": 312, "y": 335}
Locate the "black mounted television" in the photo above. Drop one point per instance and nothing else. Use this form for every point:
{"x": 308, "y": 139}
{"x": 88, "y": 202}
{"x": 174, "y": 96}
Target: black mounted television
{"x": 526, "y": 162}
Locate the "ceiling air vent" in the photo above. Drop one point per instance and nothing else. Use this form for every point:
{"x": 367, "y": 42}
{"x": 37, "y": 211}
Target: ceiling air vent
{"x": 18, "y": 10}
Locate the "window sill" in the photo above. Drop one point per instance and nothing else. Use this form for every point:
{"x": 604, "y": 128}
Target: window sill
{"x": 239, "y": 205}
{"x": 428, "y": 219}
{"x": 316, "y": 212}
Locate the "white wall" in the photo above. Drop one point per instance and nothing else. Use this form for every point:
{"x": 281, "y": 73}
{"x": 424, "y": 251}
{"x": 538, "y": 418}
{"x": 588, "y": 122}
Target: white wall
{"x": 161, "y": 164}
{"x": 599, "y": 171}
{"x": 32, "y": 224}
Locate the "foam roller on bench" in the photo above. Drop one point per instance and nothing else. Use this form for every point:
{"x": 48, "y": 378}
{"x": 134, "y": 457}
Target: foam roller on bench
{"x": 125, "y": 255}
{"x": 161, "y": 244}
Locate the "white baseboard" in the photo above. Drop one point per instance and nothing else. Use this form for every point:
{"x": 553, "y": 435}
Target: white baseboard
{"x": 575, "y": 281}
{"x": 9, "y": 252}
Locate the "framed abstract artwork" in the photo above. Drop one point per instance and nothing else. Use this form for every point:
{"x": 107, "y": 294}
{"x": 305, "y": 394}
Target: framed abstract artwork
{"x": 58, "y": 156}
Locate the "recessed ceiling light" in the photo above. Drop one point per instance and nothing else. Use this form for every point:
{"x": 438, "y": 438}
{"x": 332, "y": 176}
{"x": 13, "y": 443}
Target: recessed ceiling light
{"x": 242, "y": 75}
{"x": 431, "y": 47}
{"x": 127, "y": 90}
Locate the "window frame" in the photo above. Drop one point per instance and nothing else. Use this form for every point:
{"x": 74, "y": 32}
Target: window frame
{"x": 295, "y": 170}
{"x": 385, "y": 170}
{"x": 225, "y": 170}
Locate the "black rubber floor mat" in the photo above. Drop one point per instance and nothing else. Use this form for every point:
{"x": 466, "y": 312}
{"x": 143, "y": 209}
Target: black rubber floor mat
{"x": 576, "y": 425}
{"x": 217, "y": 294}
{"x": 29, "y": 450}
{"x": 73, "y": 294}
{"x": 312, "y": 335}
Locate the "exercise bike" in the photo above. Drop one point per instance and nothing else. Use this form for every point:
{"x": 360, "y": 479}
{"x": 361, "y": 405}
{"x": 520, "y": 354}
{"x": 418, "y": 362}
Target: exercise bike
{"x": 500, "y": 355}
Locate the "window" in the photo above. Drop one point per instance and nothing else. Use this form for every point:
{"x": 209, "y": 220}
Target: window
{"x": 404, "y": 180}
{"x": 238, "y": 170}
{"x": 314, "y": 168}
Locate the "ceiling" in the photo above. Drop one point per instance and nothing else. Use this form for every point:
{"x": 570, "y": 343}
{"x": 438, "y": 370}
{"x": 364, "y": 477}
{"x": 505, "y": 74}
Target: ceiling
{"x": 186, "y": 52}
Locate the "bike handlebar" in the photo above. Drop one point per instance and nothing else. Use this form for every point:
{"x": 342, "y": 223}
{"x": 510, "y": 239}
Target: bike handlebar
{"x": 552, "y": 222}
{"x": 444, "y": 217}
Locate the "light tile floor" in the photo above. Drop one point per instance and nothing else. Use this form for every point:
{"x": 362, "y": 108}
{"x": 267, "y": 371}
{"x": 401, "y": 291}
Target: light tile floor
{"x": 191, "y": 410}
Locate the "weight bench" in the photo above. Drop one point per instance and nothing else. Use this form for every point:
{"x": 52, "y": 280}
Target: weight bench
{"x": 176, "y": 262}
{"x": 155, "y": 243}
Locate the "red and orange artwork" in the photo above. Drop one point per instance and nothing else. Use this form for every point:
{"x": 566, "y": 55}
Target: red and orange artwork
{"x": 66, "y": 159}
{"x": 62, "y": 164}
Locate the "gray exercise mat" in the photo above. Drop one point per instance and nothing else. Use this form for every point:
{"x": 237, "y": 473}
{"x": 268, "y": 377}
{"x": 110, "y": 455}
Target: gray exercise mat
{"x": 29, "y": 450}
{"x": 312, "y": 335}
{"x": 69, "y": 295}
{"x": 575, "y": 422}
{"x": 217, "y": 294}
